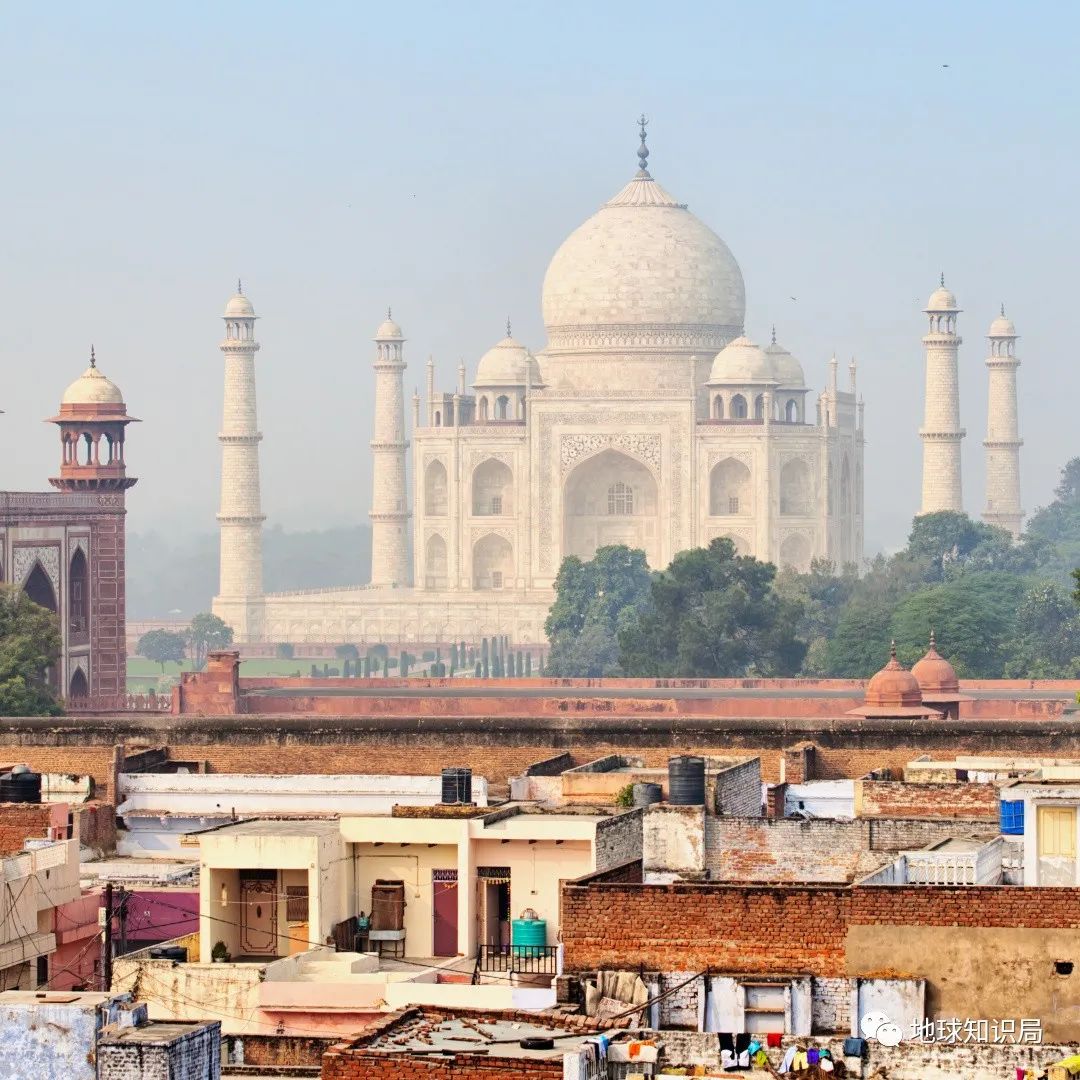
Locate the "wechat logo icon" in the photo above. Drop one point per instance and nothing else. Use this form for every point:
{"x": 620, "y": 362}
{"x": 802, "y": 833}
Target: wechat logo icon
{"x": 877, "y": 1026}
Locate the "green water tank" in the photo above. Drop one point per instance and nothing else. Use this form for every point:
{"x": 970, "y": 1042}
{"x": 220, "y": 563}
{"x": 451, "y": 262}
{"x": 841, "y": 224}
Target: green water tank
{"x": 528, "y": 932}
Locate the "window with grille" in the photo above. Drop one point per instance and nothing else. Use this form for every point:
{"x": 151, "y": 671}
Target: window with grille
{"x": 620, "y": 498}
{"x": 496, "y": 579}
{"x": 296, "y": 903}
{"x": 496, "y": 504}
{"x": 733, "y": 504}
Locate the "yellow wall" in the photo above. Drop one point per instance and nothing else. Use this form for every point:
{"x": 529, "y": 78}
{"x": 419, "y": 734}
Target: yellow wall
{"x": 413, "y": 865}
{"x": 535, "y": 873}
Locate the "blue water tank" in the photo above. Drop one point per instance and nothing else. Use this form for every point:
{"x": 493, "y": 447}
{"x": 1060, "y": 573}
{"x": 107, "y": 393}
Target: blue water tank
{"x": 1012, "y": 817}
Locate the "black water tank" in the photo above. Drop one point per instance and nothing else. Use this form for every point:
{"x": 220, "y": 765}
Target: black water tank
{"x": 169, "y": 952}
{"x": 647, "y": 794}
{"x": 21, "y": 785}
{"x": 457, "y": 785}
{"x": 686, "y": 780}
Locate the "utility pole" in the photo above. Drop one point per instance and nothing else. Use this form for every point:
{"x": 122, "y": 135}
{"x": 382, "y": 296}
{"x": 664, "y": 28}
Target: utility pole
{"x": 107, "y": 944}
{"x": 122, "y": 914}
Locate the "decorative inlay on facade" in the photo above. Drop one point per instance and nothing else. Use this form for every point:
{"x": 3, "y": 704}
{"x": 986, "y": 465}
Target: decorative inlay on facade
{"x": 589, "y": 420}
{"x": 746, "y": 457}
{"x": 642, "y": 445}
{"x": 78, "y": 543}
{"x": 25, "y": 557}
{"x": 644, "y": 336}
{"x": 478, "y": 532}
{"x": 478, "y": 457}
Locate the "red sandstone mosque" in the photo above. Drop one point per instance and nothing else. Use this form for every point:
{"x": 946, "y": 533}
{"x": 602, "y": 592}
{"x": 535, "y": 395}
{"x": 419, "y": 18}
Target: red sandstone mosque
{"x": 65, "y": 548}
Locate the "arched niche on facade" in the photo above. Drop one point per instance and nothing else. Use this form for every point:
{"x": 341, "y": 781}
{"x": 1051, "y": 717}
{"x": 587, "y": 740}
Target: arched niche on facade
{"x": 611, "y": 498}
{"x": 796, "y": 488}
{"x": 78, "y": 594}
{"x": 493, "y": 562}
{"x": 796, "y": 552}
{"x": 492, "y": 489}
{"x": 435, "y": 489}
{"x": 738, "y": 407}
{"x": 435, "y": 562}
{"x": 730, "y": 488}
{"x": 78, "y": 687}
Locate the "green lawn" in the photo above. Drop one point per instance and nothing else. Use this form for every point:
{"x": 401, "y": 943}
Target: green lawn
{"x": 145, "y": 672}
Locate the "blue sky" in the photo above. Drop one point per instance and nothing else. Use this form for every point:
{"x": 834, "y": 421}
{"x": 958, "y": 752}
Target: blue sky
{"x": 342, "y": 157}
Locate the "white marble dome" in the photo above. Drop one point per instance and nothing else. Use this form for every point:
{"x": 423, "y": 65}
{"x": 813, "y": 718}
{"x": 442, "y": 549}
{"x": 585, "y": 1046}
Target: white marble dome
{"x": 786, "y": 370}
{"x": 92, "y": 388}
{"x": 388, "y": 330}
{"x": 1002, "y": 326}
{"x": 239, "y": 307}
{"x": 742, "y": 363}
{"x": 643, "y": 271}
{"x": 507, "y": 363}
{"x": 941, "y": 299}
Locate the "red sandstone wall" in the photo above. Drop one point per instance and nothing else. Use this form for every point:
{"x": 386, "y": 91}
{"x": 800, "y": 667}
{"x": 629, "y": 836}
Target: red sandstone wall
{"x": 108, "y": 641}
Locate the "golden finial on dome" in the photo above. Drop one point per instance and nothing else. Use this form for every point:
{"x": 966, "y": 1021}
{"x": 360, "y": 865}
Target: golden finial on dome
{"x": 93, "y": 358}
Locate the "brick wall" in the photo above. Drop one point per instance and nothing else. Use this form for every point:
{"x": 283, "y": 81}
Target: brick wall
{"x": 729, "y": 928}
{"x": 900, "y": 799}
{"x": 441, "y": 811}
{"x": 194, "y": 1055}
{"x": 738, "y": 789}
{"x": 780, "y": 929}
{"x": 830, "y": 1005}
{"x": 618, "y": 840}
{"x": 356, "y": 1065}
{"x": 766, "y": 849}
{"x": 899, "y": 834}
{"x": 501, "y": 746}
{"x": 20, "y": 821}
{"x": 95, "y": 826}
{"x": 799, "y": 764}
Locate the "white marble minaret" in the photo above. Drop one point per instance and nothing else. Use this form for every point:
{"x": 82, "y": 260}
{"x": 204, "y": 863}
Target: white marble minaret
{"x": 941, "y": 431}
{"x": 240, "y": 518}
{"x": 1003, "y": 440}
{"x": 389, "y": 499}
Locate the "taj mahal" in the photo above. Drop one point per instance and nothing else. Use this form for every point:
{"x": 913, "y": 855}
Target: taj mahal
{"x": 647, "y": 419}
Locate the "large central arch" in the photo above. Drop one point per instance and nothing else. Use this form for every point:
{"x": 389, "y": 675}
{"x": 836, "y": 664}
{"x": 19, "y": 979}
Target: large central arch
{"x": 611, "y": 499}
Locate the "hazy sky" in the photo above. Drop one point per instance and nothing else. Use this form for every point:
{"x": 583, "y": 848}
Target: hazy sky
{"x": 342, "y": 157}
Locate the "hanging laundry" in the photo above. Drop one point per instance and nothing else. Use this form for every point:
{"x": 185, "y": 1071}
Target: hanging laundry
{"x": 774, "y": 1038}
{"x": 789, "y": 1057}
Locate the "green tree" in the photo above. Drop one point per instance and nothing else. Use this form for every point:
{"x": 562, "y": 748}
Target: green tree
{"x": 163, "y": 647}
{"x": 1059, "y": 523}
{"x": 860, "y": 644}
{"x": 714, "y": 614}
{"x": 284, "y": 650}
{"x": 346, "y": 652}
{"x": 1046, "y": 640}
{"x": 823, "y": 596}
{"x": 974, "y": 617}
{"x": 594, "y": 600}
{"x": 29, "y": 646}
{"x": 206, "y": 633}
